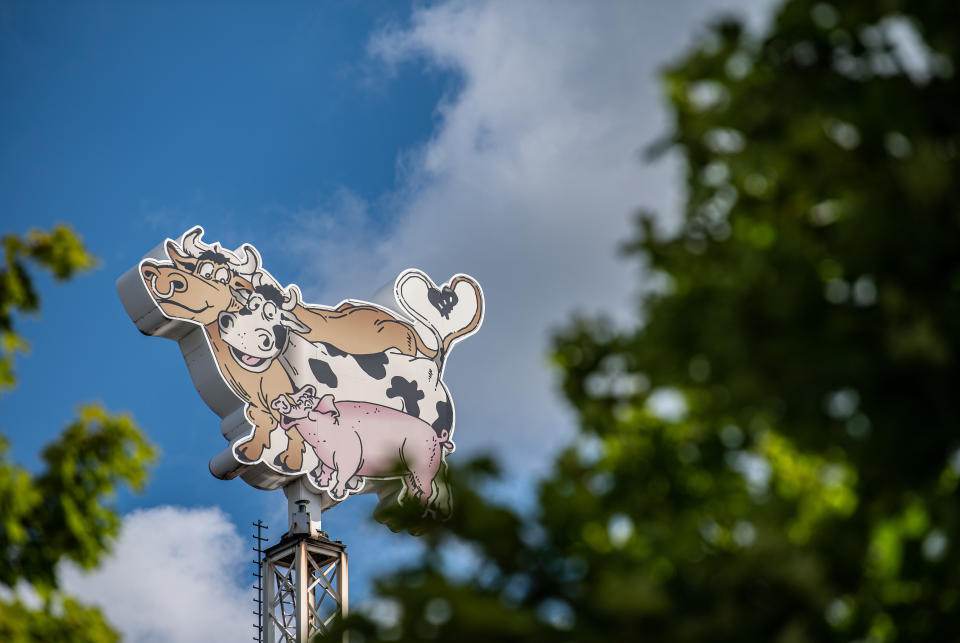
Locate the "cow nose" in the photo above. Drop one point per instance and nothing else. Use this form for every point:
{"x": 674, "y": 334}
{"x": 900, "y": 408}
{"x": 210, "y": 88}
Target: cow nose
{"x": 226, "y": 321}
{"x": 178, "y": 284}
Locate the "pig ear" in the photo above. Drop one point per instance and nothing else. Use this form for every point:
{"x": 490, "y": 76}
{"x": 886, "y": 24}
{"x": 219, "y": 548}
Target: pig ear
{"x": 327, "y": 405}
{"x": 294, "y": 324}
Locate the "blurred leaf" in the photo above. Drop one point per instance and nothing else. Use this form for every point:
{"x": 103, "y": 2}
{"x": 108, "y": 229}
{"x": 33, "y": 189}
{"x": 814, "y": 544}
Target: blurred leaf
{"x": 771, "y": 453}
{"x": 61, "y": 513}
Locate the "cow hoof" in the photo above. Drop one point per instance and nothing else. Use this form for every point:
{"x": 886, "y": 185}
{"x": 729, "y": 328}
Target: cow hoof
{"x": 244, "y": 453}
{"x": 281, "y": 462}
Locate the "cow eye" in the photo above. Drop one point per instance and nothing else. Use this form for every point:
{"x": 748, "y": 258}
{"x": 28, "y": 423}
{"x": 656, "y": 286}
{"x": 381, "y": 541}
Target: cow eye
{"x": 222, "y": 275}
{"x": 269, "y": 310}
{"x": 254, "y": 303}
{"x": 205, "y": 270}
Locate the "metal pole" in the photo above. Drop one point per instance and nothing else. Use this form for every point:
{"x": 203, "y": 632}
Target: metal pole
{"x": 267, "y": 601}
{"x": 300, "y": 572}
{"x": 343, "y": 587}
{"x": 259, "y": 539}
{"x": 301, "y": 603}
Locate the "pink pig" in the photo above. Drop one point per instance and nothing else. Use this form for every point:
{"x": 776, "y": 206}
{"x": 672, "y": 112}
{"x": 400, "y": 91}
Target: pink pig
{"x": 363, "y": 439}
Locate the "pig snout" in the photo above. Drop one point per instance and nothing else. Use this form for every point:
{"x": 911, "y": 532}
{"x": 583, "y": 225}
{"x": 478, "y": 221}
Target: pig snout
{"x": 293, "y": 411}
{"x": 281, "y": 404}
{"x": 307, "y": 393}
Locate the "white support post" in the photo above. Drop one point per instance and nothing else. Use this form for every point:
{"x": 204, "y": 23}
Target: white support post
{"x": 267, "y": 603}
{"x": 343, "y": 586}
{"x": 300, "y": 572}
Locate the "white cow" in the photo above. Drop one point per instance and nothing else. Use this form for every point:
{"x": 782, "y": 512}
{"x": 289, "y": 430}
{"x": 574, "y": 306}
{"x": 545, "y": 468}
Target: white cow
{"x": 266, "y": 329}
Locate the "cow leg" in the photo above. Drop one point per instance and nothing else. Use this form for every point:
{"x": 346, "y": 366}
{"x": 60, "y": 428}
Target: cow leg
{"x": 292, "y": 459}
{"x": 263, "y": 424}
{"x": 252, "y": 450}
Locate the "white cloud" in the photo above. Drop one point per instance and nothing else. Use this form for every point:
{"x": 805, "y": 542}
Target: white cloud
{"x": 528, "y": 183}
{"x": 174, "y": 575}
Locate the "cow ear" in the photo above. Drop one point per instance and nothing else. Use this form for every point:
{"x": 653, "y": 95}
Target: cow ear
{"x": 243, "y": 296}
{"x": 290, "y": 321}
{"x": 180, "y": 260}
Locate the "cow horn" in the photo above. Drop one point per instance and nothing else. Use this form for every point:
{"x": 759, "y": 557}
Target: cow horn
{"x": 251, "y": 264}
{"x": 192, "y": 244}
{"x": 261, "y": 278}
{"x": 291, "y": 298}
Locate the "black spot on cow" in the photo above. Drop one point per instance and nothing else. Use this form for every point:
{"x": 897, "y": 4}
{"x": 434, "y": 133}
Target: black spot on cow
{"x": 332, "y": 350}
{"x": 280, "y": 334}
{"x": 323, "y": 373}
{"x": 409, "y": 392}
{"x": 444, "y": 421}
{"x": 373, "y": 364}
{"x": 443, "y": 300}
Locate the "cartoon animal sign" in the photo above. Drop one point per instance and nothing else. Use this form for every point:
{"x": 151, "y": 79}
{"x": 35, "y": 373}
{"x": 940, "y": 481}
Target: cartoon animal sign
{"x": 342, "y": 397}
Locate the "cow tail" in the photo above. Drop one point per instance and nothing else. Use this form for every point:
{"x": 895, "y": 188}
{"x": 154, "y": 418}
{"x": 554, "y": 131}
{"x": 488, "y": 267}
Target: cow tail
{"x": 444, "y": 342}
{"x": 477, "y": 315}
{"x": 432, "y": 353}
{"x": 441, "y": 356}
{"x": 438, "y": 355}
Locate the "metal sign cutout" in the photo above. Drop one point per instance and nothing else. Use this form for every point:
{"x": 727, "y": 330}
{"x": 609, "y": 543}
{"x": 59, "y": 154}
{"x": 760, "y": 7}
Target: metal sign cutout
{"x": 341, "y": 397}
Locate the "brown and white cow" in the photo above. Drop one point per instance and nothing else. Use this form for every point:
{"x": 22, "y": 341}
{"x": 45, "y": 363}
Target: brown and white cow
{"x": 268, "y": 330}
{"x": 195, "y": 286}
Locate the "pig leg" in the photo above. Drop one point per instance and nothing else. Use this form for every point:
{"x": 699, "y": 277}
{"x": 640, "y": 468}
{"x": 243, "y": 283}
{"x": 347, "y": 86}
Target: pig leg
{"x": 441, "y": 501}
{"x": 411, "y": 488}
{"x": 422, "y": 460}
{"x": 418, "y": 486}
{"x": 322, "y": 475}
{"x": 346, "y": 461}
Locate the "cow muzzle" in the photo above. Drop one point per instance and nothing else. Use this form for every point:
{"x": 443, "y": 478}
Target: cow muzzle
{"x": 163, "y": 286}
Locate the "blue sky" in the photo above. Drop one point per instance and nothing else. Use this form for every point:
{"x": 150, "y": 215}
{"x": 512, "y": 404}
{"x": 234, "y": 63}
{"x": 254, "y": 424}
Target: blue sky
{"x": 347, "y": 141}
{"x": 131, "y": 123}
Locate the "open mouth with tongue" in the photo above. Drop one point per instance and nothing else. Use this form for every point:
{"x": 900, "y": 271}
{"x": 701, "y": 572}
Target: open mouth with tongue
{"x": 247, "y": 361}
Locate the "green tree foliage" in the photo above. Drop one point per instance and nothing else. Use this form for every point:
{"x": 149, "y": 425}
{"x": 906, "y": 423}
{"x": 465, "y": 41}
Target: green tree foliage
{"x": 60, "y": 513}
{"x": 772, "y": 454}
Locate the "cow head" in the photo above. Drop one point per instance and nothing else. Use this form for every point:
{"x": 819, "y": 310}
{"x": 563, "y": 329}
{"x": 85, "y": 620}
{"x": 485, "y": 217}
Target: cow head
{"x": 259, "y": 331}
{"x": 195, "y": 285}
